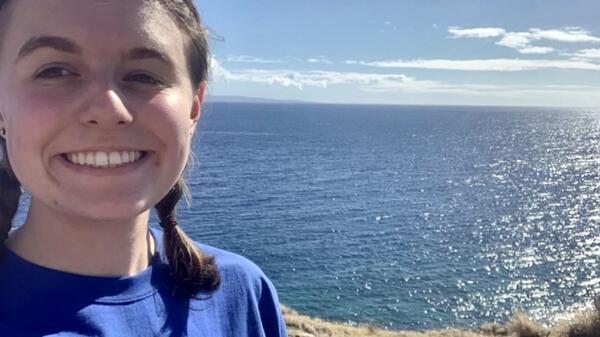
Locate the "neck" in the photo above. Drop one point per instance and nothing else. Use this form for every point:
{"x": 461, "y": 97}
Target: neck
{"x": 87, "y": 247}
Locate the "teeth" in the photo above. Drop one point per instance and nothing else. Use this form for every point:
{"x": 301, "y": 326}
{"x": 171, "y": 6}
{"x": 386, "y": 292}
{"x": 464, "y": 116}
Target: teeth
{"x": 73, "y": 158}
{"x": 81, "y": 158}
{"x": 101, "y": 159}
{"x": 104, "y": 159}
{"x": 89, "y": 159}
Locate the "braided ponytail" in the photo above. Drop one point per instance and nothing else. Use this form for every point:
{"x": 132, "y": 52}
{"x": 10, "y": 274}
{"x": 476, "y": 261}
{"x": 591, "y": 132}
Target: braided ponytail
{"x": 191, "y": 270}
{"x": 10, "y": 192}
{"x": 10, "y": 188}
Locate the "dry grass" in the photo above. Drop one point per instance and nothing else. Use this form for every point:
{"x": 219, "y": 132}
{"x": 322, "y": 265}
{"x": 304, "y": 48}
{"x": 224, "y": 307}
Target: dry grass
{"x": 521, "y": 325}
{"x": 304, "y": 326}
{"x": 583, "y": 324}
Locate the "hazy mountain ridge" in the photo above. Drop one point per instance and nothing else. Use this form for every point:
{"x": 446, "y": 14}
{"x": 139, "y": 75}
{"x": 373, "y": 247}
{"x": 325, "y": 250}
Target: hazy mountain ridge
{"x": 245, "y": 99}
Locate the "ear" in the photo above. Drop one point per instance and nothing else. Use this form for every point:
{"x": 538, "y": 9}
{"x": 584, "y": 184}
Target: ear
{"x": 196, "y": 107}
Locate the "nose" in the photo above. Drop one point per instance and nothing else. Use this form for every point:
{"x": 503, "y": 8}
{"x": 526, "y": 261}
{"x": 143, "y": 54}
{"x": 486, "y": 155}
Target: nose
{"x": 106, "y": 109}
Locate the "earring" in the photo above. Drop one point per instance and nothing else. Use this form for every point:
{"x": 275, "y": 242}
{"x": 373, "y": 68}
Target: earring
{"x": 2, "y": 132}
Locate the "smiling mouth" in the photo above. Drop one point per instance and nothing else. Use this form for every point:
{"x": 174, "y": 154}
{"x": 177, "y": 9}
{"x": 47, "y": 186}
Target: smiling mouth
{"x": 100, "y": 159}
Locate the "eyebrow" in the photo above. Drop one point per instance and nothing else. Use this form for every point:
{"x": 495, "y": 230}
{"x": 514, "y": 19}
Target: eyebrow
{"x": 54, "y": 42}
{"x": 148, "y": 53}
{"x": 69, "y": 46}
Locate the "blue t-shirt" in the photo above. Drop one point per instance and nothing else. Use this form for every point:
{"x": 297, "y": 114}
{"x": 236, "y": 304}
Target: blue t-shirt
{"x": 38, "y": 301}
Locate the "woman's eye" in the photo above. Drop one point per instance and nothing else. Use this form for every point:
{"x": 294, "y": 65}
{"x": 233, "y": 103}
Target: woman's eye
{"x": 143, "y": 79}
{"x": 54, "y": 73}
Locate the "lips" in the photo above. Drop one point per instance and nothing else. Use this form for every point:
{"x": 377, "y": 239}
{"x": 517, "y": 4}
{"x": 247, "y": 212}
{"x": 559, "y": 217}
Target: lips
{"x": 102, "y": 159}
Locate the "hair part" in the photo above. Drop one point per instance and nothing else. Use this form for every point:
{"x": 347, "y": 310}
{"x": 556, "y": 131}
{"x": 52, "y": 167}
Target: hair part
{"x": 190, "y": 269}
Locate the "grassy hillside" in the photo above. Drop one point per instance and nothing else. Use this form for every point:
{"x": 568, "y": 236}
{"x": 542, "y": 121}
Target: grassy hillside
{"x": 584, "y": 324}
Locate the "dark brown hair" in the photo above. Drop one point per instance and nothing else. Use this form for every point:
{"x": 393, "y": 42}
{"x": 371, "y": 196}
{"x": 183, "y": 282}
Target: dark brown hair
{"x": 191, "y": 270}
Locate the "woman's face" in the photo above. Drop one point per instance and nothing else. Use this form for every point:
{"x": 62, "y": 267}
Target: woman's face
{"x": 97, "y": 102}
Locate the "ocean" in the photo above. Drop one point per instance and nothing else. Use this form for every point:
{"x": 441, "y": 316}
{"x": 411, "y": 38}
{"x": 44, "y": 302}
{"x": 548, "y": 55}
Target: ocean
{"x": 409, "y": 217}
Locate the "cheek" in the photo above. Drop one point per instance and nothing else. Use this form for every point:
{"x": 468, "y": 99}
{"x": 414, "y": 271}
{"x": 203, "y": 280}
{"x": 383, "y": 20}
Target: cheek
{"x": 29, "y": 125}
{"x": 36, "y": 110}
{"x": 26, "y": 158}
{"x": 169, "y": 122}
{"x": 29, "y": 114}
{"x": 172, "y": 115}
{"x": 33, "y": 119}
{"x": 26, "y": 145}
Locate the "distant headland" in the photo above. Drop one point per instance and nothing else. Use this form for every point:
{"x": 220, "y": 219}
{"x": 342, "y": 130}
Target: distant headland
{"x": 246, "y": 99}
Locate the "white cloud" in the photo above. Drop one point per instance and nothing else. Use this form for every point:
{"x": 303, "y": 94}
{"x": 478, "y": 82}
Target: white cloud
{"x": 536, "y": 50}
{"x": 320, "y": 59}
{"x": 250, "y": 59}
{"x": 322, "y": 79}
{"x": 569, "y": 34}
{"x": 259, "y": 60}
{"x": 217, "y": 71}
{"x": 458, "y": 32}
{"x": 387, "y": 27}
{"x": 390, "y": 84}
{"x": 315, "y": 78}
{"x": 485, "y": 64}
{"x": 592, "y": 53}
{"x": 515, "y": 40}
{"x": 521, "y": 41}
{"x": 312, "y": 78}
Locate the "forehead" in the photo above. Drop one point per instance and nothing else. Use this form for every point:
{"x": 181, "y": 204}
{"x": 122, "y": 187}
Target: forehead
{"x": 99, "y": 26}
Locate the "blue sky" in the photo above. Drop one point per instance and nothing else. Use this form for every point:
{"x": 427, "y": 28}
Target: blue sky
{"x": 541, "y": 53}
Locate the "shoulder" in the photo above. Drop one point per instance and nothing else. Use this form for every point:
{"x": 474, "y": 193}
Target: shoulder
{"x": 245, "y": 296}
{"x": 236, "y": 271}
{"x": 229, "y": 261}
{"x": 245, "y": 284}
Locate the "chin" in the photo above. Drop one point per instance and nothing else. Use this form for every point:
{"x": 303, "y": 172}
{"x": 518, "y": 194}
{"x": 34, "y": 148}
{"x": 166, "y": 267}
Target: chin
{"x": 106, "y": 211}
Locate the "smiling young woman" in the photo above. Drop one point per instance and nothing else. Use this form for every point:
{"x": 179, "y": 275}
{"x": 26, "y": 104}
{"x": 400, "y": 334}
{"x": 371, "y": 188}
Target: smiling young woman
{"x": 98, "y": 104}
